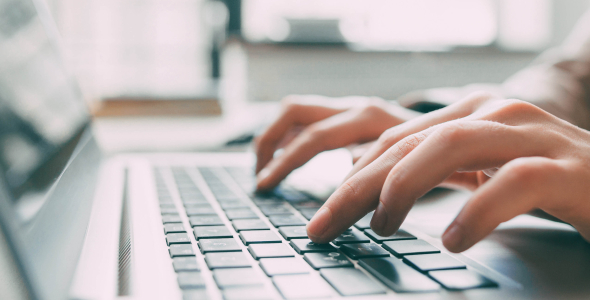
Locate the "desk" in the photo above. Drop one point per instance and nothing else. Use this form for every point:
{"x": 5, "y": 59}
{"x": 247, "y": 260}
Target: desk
{"x": 144, "y": 134}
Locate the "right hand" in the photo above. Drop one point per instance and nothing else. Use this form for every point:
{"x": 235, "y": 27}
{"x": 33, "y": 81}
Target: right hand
{"x": 311, "y": 124}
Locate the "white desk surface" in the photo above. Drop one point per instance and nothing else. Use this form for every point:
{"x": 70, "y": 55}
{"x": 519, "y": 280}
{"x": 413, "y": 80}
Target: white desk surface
{"x": 145, "y": 134}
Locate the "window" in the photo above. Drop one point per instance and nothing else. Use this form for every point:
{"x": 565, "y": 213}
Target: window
{"x": 400, "y": 24}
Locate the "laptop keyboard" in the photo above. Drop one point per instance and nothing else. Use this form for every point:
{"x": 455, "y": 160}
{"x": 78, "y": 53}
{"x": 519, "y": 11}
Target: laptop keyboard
{"x": 256, "y": 246}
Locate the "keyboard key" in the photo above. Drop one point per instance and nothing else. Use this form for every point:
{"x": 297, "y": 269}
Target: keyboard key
{"x": 166, "y": 201}
{"x": 249, "y": 224}
{"x": 461, "y": 279}
{"x": 398, "y": 276}
{"x": 351, "y": 237}
{"x": 286, "y": 220}
{"x": 168, "y": 210}
{"x": 210, "y": 232}
{"x": 351, "y": 282}
{"x": 181, "y": 250}
{"x": 364, "y": 222}
{"x": 327, "y": 260}
{"x": 187, "y": 194}
{"x": 259, "y": 251}
{"x": 195, "y": 294}
{"x": 303, "y": 246}
{"x": 173, "y": 228}
{"x": 200, "y": 211}
{"x": 272, "y": 210}
{"x": 290, "y": 194}
{"x": 199, "y": 205}
{"x": 190, "y": 280}
{"x": 263, "y": 200}
{"x": 283, "y": 266}
{"x": 171, "y": 219}
{"x": 177, "y": 238}
{"x": 357, "y": 251}
{"x": 302, "y": 287}
{"x": 259, "y": 236}
{"x": 432, "y": 262}
{"x": 242, "y": 213}
{"x": 194, "y": 203}
{"x": 398, "y": 236}
{"x": 308, "y": 212}
{"x": 233, "y": 204}
{"x": 306, "y": 204}
{"x": 225, "y": 196}
{"x": 205, "y": 221}
{"x": 250, "y": 293}
{"x": 186, "y": 263}
{"x": 409, "y": 247}
{"x": 192, "y": 200}
{"x": 232, "y": 278}
{"x": 226, "y": 260}
{"x": 218, "y": 245}
{"x": 293, "y": 232}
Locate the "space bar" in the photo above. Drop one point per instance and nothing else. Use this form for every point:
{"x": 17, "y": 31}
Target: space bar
{"x": 398, "y": 276}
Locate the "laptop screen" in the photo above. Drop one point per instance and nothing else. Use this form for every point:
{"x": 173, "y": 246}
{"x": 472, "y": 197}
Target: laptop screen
{"x": 42, "y": 117}
{"x": 41, "y": 111}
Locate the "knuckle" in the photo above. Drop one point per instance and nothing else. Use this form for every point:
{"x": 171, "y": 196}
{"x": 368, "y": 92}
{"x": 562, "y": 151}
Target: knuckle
{"x": 406, "y": 145}
{"x": 291, "y": 103}
{"x": 452, "y": 133}
{"x": 289, "y": 100}
{"x": 388, "y": 138}
{"x": 514, "y": 106}
{"x": 374, "y": 106}
{"x": 478, "y": 98}
{"x": 529, "y": 171}
{"x": 348, "y": 188}
{"x": 315, "y": 134}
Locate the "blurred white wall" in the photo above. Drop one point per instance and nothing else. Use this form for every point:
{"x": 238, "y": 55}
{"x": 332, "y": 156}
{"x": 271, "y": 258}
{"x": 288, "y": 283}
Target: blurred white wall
{"x": 134, "y": 46}
{"x": 160, "y": 47}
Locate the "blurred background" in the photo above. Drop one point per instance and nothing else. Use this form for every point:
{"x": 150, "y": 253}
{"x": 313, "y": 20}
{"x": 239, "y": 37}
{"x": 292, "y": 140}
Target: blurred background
{"x": 333, "y": 47}
{"x": 258, "y": 51}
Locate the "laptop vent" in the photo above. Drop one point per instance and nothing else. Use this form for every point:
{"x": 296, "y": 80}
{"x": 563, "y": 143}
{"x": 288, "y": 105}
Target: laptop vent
{"x": 124, "y": 286}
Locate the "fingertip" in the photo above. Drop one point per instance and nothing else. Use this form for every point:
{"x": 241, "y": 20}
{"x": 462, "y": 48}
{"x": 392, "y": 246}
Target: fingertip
{"x": 454, "y": 239}
{"x": 319, "y": 224}
{"x": 262, "y": 179}
{"x": 379, "y": 220}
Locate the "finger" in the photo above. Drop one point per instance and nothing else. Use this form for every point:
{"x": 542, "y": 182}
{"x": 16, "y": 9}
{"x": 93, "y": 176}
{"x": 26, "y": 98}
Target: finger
{"x": 293, "y": 114}
{"x": 463, "y": 180}
{"x": 358, "y": 150}
{"x": 520, "y": 186}
{"x": 450, "y": 147}
{"x": 455, "y": 111}
{"x": 356, "y": 196}
{"x": 355, "y": 125}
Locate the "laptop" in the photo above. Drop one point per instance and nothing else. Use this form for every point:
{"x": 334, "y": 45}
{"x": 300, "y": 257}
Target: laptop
{"x": 78, "y": 224}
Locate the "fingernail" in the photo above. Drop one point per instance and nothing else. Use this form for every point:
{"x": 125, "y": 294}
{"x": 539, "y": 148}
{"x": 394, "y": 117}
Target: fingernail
{"x": 262, "y": 175}
{"x": 319, "y": 223}
{"x": 379, "y": 219}
{"x": 453, "y": 238}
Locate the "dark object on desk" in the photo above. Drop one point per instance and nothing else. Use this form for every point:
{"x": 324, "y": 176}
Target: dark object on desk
{"x": 157, "y": 106}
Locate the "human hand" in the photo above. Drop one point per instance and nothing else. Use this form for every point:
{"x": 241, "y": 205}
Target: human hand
{"x": 537, "y": 160}
{"x": 311, "y": 124}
